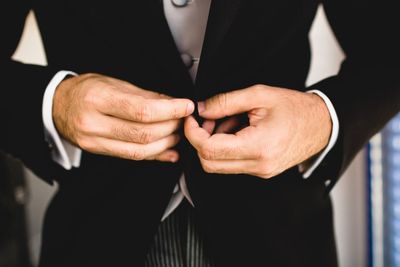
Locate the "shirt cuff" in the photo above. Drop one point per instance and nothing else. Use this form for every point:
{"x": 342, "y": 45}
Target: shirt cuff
{"x": 63, "y": 152}
{"x": 334, "y": 135}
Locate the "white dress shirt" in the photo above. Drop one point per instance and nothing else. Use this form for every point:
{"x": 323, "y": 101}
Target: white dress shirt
{"x": 187, "y": 20}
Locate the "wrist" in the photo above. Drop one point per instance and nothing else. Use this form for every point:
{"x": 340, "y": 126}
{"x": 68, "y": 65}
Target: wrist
{"x": 323, "y": 121}
{"x": 60, "y": 99}
{"x": 314, "y": 162}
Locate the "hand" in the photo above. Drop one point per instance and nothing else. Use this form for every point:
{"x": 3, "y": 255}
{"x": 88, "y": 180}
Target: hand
{"x": 285, "y": 128}
{"x": 107, "y": 116}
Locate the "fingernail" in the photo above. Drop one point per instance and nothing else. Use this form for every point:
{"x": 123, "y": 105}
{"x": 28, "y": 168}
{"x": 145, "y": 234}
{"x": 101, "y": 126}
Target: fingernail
{"x": 190, "y": 108}
{"x": 173, "y": 158}
{"x": 201, "y": 107}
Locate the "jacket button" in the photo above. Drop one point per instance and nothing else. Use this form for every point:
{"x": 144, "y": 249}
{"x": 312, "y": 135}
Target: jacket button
{"x": 328, "y": 183}
{"x": 180, "y": 3}
{"x": 188, "y": 60}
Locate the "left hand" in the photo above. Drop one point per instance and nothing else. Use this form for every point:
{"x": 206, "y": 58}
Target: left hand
{"x": 286, "y": 128}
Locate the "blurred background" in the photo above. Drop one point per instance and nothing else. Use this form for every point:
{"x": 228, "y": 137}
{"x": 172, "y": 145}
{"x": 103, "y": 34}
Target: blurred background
{"x": 359, "y": 205}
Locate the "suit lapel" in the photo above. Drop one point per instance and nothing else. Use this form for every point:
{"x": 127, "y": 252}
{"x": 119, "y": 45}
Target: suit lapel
{"x": 163, "y": 46}
{"x": 222, "y": 15}
{"x": 115, "y": 20}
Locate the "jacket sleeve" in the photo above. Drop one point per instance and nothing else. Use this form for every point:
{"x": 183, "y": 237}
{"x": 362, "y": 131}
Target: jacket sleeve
{"x": 366, "y": 92}
{"x": 21, "y": 94}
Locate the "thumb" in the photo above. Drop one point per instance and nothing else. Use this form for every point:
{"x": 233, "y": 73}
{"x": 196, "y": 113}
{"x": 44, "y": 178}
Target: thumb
{"x": 228, "y": 104}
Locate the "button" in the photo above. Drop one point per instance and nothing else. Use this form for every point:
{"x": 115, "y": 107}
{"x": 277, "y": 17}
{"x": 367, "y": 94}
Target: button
{"x": 20, "y": 195}
{"x": 328, "y": 182}
{"x": 188, "y": 60}
{"x": 180, "y": 3}
{"x": 50, "y": 145}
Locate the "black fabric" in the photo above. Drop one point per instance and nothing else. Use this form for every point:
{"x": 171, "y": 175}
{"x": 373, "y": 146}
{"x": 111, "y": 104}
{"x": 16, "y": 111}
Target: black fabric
{"x": 107, "y": 211}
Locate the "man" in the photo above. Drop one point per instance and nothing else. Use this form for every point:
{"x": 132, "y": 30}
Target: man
{"x": 122, "y": 125}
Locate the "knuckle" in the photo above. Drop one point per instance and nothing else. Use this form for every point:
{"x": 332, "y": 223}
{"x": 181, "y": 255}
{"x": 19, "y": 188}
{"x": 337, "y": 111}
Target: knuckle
{"x": 266, "y": 170}
{"x": 122, "y": 133}
{"x": 259, "y": 88}
{"x": 99, "y": 94}
{"x": 208, "y": 167}
{"x": 145, "y": 136}
{"x": 176, "y": 113}
{"x": 106, "y": 94}
{"x": 91, "y": 96}
{"x": 85, "y": 143}
{"x": 89, "y": 76}
{"x": 163, "y": 96}
{"x": 143, "y": 113}
{"x": 83, "y": 123}
{"x": 222, "y": 100}
{"x": 122, "y": 103}
{"x": 264, "y": 155}
{"x": 207, "y": 152}
{"x": 129, "y": 133}
{"x": 229, "y": 150}
{"x": 137, "y": 154}
{"x": 259, "y": 91}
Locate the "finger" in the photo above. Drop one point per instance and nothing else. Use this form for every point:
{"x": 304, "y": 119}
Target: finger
{"x": 128, "y": 131}
{"x": 231, "y": 103}
{"x": 229, "y": 147}
{"x": 209, "y": 126}
{"x": 229, "y": 167}
{"x": 132, "y": 151}
{"x": 195, "y": 134}
{"x": 221, "y": 146}
{"x": 168, "y": 156}
{"x": 139, "y": 109}
{"x": 229, "y": 126}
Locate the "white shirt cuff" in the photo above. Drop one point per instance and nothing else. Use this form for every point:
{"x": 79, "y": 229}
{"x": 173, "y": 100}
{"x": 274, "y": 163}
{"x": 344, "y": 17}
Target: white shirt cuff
{"x": 333, "y": 138}
{"x": 63, "y": 152}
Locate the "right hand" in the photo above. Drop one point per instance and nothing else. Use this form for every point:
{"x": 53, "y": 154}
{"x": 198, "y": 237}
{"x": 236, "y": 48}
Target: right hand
{"x": 107, "y": 116}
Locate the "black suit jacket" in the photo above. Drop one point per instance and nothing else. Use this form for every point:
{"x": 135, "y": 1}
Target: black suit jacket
{"x": 107, "y": 211}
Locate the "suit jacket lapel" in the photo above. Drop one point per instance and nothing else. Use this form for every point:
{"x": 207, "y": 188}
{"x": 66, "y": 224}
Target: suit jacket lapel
{"x": 164, "y": 47}
{"x": 222, "y": 14}
{"x": 156, "y": 38}
{"x": 115, "y": 21}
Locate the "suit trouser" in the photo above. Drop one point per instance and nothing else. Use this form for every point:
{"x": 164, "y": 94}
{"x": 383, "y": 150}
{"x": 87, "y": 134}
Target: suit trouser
{"x": 179, "y": 241}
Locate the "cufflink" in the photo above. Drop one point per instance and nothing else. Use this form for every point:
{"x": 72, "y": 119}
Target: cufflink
{"x": 180, "y": 3}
